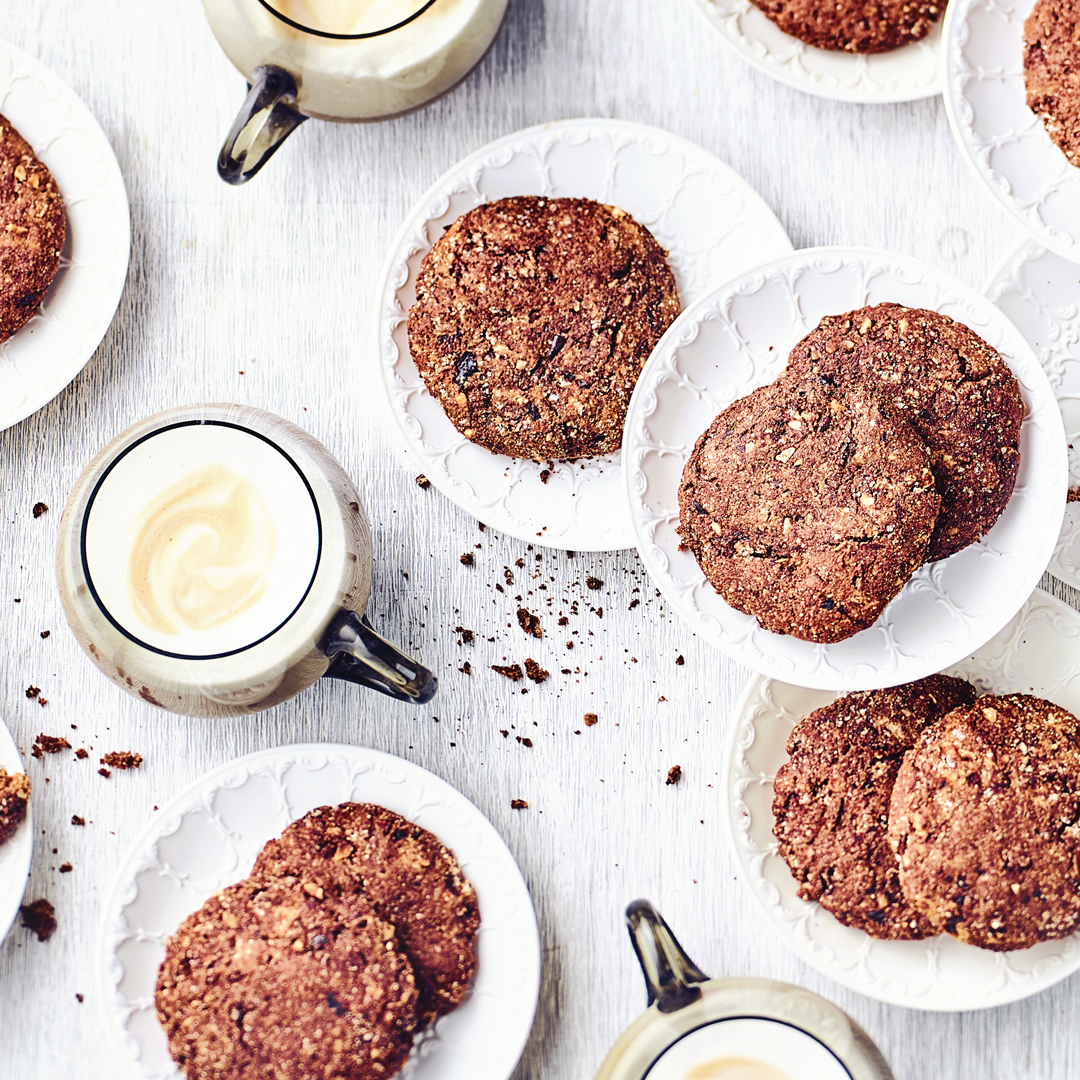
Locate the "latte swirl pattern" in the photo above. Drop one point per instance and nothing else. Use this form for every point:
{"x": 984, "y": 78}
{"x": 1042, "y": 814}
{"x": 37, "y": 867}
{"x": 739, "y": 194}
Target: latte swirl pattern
{"x": 201, "y": 552}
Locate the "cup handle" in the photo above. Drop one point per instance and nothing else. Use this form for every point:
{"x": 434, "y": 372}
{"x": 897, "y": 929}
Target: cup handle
{"x": 670, "y": 974}
{"x": 357, "y": 654}
{"x": 264, "y": 122}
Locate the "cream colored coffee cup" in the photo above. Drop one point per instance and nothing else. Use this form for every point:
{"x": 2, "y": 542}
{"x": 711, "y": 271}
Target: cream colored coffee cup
{"x": 216, "y": 560}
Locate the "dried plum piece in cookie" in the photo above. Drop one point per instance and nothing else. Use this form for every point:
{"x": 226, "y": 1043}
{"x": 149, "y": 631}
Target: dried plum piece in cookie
{"x": 533, "y": 319}
{"x": 855, "y": 26}
{"x": 808, "y": 506}
{"x": 32, "y": 230}
{"x": 1052, "y": 72}
{"x": 412, "y": 880}
{"x": 951, "y": 386}
{"x": 985, "y": 822}
{"x": 269, "y": 979}
{"x": 831, "y": 801}
{"x": 14, "y": 799}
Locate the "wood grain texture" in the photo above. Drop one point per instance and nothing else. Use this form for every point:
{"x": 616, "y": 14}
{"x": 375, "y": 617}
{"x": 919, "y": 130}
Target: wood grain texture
{"x": 276, "y": 280}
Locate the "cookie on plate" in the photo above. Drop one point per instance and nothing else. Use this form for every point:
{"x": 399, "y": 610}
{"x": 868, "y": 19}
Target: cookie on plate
{"x": 411, "y": 879}
{"x": 1052, "y": 71}
{"x": 951, "y": 386}
{"x": 808, "y": 506}
{"x": 32, "y": 229}
{"x": 14, "y": 799}
{"x": 270, "y": 979}
{"x": 856, "y": 26}
{"x": 985, "y": 821}
{"x": 831, "y": 801}
{"x": 533, "y": 319}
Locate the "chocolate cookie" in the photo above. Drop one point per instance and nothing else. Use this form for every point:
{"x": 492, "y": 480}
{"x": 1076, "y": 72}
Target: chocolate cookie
{"x": 831, "y": 801}
{"x": 32, "y": 228}
{"x": 411, "y": 879}
{"x": 808, "y": 506}
{"x": 270, "y": 979}
{"x": 1052, "y": 71}
{"x": 857, "y": 26}
{"x": 950, "y": 385}
{"x": 14, "y": 798}
{"x": 532, "y": 321}
{"x": 985, "y": 820}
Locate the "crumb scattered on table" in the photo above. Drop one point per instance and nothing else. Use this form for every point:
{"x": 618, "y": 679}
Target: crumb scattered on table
{"x": 39, "y": 509}
{"x": 510, "y": 671}
{"x": 40, "y": 917}
{"x": 518, "y": 804}
{"x": 535, "y": 671}
{"x": 674, "y": 774}
{"x": 422, "y": 481}
{"x": 591, "y": 718}
{"x": 122, "y": 759}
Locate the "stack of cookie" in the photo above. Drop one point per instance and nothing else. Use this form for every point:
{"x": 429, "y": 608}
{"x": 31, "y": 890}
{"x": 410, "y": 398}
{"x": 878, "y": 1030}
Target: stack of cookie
{"x": 355, "y": 929}
{"x": 892, "y": 438}
{"x": 924, "y": 809}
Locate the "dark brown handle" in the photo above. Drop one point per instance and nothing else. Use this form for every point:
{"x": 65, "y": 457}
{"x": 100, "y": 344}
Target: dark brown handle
{"x": 265, "y": 120}
{"x": 357, "y": 654}
{"x": 670, "y": 975}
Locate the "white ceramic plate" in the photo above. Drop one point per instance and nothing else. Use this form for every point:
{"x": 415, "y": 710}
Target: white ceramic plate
{"x": 53, "y": 347}
{"x": 1039, "y": 292}
{"x": 902, "y": 75}
{"x": 1000, "y": 137}
{"x": 1037, "y": 652}
{"x": 738, "y": 338}
{"x": 208, "y": 837}
{"x": 712, "y": 223}
{"x": 15, "y": 854}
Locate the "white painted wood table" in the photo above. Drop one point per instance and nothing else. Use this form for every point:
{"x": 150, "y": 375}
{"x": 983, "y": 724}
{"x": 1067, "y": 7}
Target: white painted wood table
{"x": 263, "y": 295}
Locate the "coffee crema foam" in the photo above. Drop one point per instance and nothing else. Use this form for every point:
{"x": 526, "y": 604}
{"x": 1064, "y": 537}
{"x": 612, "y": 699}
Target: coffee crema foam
{"x": 201, "y": 540}
{"x": 747, "y": 1048}
{"x": 201, "y": 552}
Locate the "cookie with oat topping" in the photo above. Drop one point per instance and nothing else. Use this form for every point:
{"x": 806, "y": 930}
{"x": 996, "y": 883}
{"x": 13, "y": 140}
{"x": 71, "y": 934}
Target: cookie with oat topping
{"x": 831, "y": 801}
{"x": 808, "y": 506}
{"x": 533, "y": 319}
{"x": 268, "y": 978}
{"x": 985, "y": 822}
{"x": 951, "y": 386}
{"x": 32, "y": 230}
{"x": 411, "y": 879}
{"x": 14, "y": 799}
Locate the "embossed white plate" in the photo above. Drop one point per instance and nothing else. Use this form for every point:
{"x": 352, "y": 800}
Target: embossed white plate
{"x": 1038, "y": 652}
{"x": 1000, "y": 137}
{"x": 713, "y": 225}
{"x": 901, "y": 75}
{"x": 15, "y": 854}
{"x": 738, "y": 338}
{"x": 208, "y": 837}
{"x": 1039, "y": 292}
{"x": 53, "y": 347}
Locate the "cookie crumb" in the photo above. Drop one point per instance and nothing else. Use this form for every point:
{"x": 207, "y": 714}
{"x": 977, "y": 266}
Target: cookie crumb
{"x": 535, "y": 671}
{"x": 594, "y": 583}
{"x": 33, "y": 691}
{"x": 105, "y": 773}
{"x": 591, "y": 718}
{"x": 510, "y": 671}
{"x": 674, "y": 774}
{"x": 40, "y": 917}
{"x": 76, "y": 820}
{"x": 122, "y": 759}
{"x": 545, "y": 475}
{"x": 49, "y": 744}
{"x": 66, "y": 868}
{"x": 1074, "y": 495}
{"x": 518, "y": 804}
{"x": 423, "y": 482}
{"x": 466, "y": 668}
{"x": 39, "y": 509}
{"x": 529, "y": 622}
{"x": 45, "y": 634}
{"x": 679, "y": 660}
{"x": 82, "y": 754}
{"x": 467, "y": 636}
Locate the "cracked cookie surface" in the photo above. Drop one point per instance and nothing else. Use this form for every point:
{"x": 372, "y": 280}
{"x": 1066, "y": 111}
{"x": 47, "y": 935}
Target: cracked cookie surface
{"x": 951, "y": 386}
{"x": 412, "y": 880}
{"x": 1052, "y": 72}
{"x": 808, "y": 506}
{"x": 32, "y": 230}
{"x": 14, "y": 799}
{"x": 270, "y": 979}
{"x": 831, "y": 801}
{"x": 533, "y": 319}
{"x": 985, "y": 822}
{"x": 857, "y": 26}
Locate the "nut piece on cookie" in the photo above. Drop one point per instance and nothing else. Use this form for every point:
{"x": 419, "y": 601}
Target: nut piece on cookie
{"x": 533, "y": 319}
{"x": 831, "y": 801}
{"x": 412, "y": 881}
{"x": 985, "y": 822}
{"x": 266, "y": 979}
{"x": 14, "y": 799}
{"x": 808, "y": 506}
{"x": 32, "y": 230}
{"x": 951, "y": 386}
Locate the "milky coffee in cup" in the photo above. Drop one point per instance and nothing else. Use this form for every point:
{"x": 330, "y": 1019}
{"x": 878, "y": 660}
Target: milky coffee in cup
{"x": 351, "y": 77}
{"x": 205, "y": 552}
